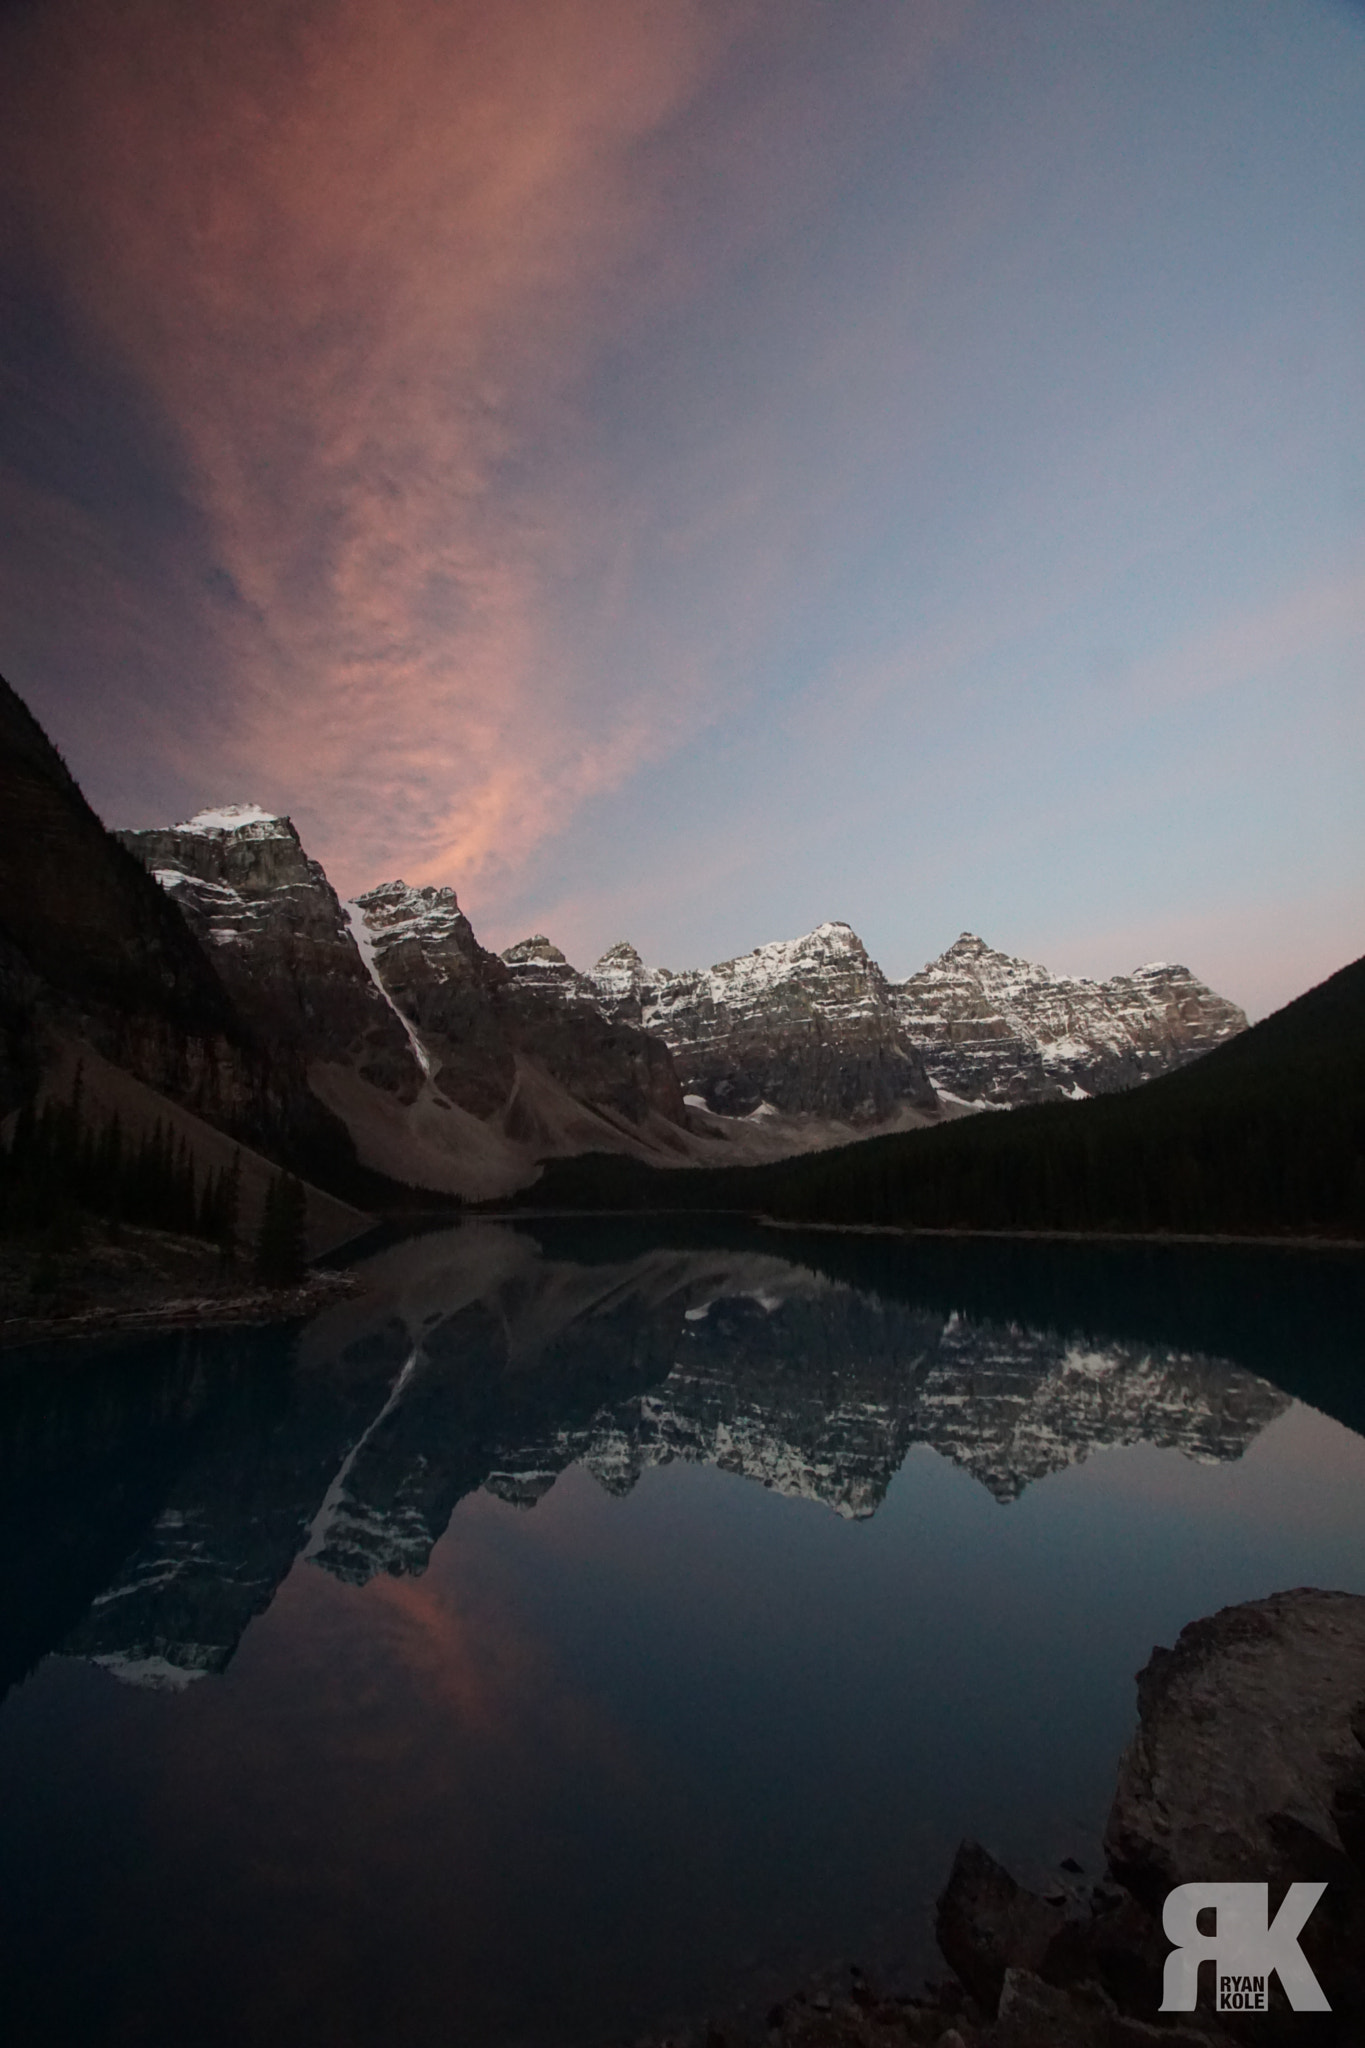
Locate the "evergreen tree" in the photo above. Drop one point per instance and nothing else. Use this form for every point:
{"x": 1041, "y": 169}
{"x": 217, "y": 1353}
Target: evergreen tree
{"x": 229, "y": 1212}
{"x": 280, "y": 1240}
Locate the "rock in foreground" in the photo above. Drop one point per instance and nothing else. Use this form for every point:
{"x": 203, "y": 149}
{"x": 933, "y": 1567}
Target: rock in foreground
{"x": 1248, "y": 1766}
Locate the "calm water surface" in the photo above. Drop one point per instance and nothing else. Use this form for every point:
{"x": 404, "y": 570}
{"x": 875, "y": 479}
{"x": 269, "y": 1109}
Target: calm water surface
{"x": 589, "y": 1627}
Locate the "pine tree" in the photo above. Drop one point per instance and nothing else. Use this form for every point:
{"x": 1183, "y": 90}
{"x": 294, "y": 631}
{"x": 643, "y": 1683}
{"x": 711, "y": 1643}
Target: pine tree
{"x": 230, "y": 1205}
{"x": 280, "y": 1240}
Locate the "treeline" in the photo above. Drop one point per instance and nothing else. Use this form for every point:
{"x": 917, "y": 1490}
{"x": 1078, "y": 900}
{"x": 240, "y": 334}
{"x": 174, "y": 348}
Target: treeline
{"x": 1264, "y": 1136}
{"x": 61, "y": 1162}
{"x": 1230, "y": 1168}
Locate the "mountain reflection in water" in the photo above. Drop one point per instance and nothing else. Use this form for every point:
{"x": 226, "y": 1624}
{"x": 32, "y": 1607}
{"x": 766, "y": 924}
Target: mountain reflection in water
{"x": 597, "y": 1621}
{"x": 181, "y": 1477}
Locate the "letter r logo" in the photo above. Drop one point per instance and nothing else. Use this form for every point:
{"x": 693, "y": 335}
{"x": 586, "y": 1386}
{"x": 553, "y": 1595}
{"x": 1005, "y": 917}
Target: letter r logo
{"x": 1241, "y": 1944}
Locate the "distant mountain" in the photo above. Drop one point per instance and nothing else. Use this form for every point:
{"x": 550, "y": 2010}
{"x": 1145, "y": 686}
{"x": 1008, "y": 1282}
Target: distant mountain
{"x": 490, "y": 1034}
{"x": 806, "y": 1026}
{"x": 277, "y": 933}
{"x": 812, "y": 1028}
{"x": 1265, "y": 1133}
{"x": 995, "y": 1029}
{"x": 379, "y": 1036}
{"x": 455, "y": 1069}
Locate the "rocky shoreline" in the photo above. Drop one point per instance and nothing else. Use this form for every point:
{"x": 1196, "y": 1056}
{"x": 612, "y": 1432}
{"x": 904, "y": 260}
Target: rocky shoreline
{"x": 1248, "y": 1766}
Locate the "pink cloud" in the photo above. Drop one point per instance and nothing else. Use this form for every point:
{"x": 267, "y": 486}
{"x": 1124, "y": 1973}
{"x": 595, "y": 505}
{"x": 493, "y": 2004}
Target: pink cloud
{"x": 362, "y": 255}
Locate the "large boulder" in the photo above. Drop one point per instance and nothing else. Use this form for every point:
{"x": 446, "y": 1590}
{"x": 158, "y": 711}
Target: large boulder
{"x": 1248, "y": 1766}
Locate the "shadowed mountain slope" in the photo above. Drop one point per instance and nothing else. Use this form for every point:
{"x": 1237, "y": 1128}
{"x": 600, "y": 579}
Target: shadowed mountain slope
{"x": 93, "y": 952}
{"x": 82, "y": 925}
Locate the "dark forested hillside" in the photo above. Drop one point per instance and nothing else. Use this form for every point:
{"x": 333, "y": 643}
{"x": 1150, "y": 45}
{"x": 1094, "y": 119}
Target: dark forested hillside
{"x": 86, "y": 916}
{"x": 91, "y": 947}
{"x": 1265, "y": 1135}
{"x": 83, "y": 930}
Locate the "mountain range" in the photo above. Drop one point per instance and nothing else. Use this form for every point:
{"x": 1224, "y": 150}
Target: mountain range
{"x": 1262, "y": 1136}
{"x": 377, "y": 1042}
{"x": 456, "y": 1068}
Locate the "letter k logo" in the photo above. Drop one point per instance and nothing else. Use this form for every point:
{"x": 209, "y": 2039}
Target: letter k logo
{"x": 1242, "y": 1943}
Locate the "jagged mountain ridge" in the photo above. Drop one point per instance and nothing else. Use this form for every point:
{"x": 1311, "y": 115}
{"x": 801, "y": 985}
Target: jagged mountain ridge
{"x": 411, "y": 1023}
{"x": 1001, "y": 1030}
{"x": 301, "y": 1022}
{"x": 446, "y": 1071}
{"x": 474, "y": 1015}
{"x": 805, "y": 1026}
{"x": 812, "y": 1024}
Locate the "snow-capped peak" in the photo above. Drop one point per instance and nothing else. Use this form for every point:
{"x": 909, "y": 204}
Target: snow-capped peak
{"x": 230, "y": 818}
{"x": 394, "y": 910}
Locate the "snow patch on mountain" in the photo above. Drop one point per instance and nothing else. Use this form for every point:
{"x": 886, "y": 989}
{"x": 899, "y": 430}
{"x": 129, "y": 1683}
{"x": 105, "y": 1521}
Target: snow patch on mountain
{"x": 230, "y": 818}
{"x": 365, "y": 942}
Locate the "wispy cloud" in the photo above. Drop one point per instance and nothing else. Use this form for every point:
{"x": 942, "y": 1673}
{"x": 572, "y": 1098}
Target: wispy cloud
{"x": 899, "y": 420}
{"x": 361, "y": 255}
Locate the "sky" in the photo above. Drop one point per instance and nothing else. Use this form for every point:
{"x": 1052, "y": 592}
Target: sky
{"x": 682, "y": 470}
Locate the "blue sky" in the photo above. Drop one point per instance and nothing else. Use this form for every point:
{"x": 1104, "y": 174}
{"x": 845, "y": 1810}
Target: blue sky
{"x": 686, "y": 472}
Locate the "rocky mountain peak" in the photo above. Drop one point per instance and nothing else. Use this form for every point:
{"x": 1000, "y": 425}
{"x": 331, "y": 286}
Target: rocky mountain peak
{"x": 837, "y": 935}
{"x": 279, "y": 937}
{"x": 805, "y": 1025}
{"x": 395, "y": 992}
{"x": 621, "y": 963}
{"x": 967, "y": 946}
{"x": 1004, "y": 1030}
{"x": 622, "y": 983}
{"x": 252, "y": 851}
{"x": 830, "y": 967}
{"x": 395, "y": 911}
{"x": 972, "y": 956}
{"x": 977, "y": 1026}
{"x": 496, "y": 1033}
{"x": 539, "y": 967}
